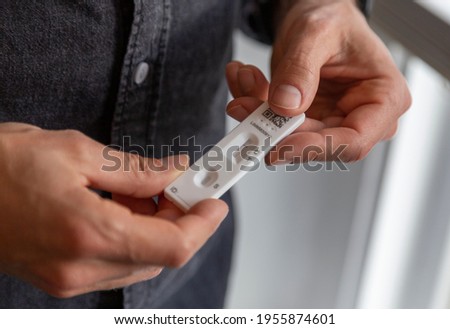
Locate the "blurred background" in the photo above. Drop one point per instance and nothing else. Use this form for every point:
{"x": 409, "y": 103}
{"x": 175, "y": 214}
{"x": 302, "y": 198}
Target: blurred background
{"x": 377, "y": 235}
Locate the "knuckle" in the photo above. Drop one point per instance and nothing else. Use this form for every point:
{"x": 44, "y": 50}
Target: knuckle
{"x": 153, "y": 164}
{"x": 135, "y": 165}
{"x": 299, "y": 68}
{"x": 149, "y": 274}
{"x": 77, "y": 140}
{"x": 407, "y": 98}
{"x": 305, "y": 67}
{"x": 155, "y": 272}
{"x": 112, "y": 231}
{"x": 316, "y": 22}
{"x": 321, "y": 21}
{"x": 182, "y": 254}
{"x": 356, "y": 151}
{"x": 75, "y": 135}
{"x": 391, "y": 132}
{"x": 398, "y": 95}
{"x": 141, "y": 170}
{"x": 363, "y": 147}
{"x": 60, "y": 281}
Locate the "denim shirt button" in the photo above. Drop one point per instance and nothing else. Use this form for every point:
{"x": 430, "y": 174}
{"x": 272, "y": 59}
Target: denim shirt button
{"x": 141, "y": 72}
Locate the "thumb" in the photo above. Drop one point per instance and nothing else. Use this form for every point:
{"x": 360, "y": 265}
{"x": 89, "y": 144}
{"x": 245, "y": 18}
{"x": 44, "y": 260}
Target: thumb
{"x": 295, "y": 76}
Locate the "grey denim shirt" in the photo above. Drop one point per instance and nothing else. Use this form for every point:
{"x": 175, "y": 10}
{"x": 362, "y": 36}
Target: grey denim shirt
{"x": 134, "y": 74}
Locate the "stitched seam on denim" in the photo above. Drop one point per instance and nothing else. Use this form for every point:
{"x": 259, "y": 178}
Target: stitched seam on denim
{"x": 137, "y": 22}
{"x": 158, "y": 72}
{"x": 131, "y": 53}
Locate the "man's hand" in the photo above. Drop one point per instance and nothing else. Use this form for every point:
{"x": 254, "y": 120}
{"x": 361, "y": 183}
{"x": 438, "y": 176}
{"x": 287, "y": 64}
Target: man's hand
{"x": 63, "y": 238}
{"x": 328, "y": 63}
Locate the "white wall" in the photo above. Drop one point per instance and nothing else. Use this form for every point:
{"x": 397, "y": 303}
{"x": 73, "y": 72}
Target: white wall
{"x": 292, "y": 228}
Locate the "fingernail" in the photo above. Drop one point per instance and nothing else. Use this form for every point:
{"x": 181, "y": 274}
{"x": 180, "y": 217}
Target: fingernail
{"x": 246, "y": 80}
{"x": 238, "y": 112}
{"x": 233, "y": 68}
{"x": 281, "y": 162}
{"x": 287, "y": 96}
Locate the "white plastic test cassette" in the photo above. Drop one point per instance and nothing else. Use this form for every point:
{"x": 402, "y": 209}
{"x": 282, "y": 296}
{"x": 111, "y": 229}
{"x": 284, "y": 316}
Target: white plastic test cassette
{"x": 239, "y": 152}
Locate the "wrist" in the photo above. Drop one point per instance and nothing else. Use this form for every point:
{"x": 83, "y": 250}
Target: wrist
{"x": 283, "y": 7}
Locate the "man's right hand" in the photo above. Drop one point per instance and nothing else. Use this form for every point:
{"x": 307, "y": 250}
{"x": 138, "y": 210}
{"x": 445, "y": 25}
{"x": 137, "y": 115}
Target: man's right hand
{"x": 63, "y": 238}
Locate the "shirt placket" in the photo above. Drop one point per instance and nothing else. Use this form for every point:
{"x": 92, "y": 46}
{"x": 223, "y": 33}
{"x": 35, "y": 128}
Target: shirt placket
{"x": 134, "y": 121}
{"x": 135, "y": 115}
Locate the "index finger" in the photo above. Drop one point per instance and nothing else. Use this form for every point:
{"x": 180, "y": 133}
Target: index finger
{"x": 153, "y": 240}
{"x": 161, "y": 242}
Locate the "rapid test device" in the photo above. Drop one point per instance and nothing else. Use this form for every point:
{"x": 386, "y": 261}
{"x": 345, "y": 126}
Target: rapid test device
{"x": 239, "y": 152}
